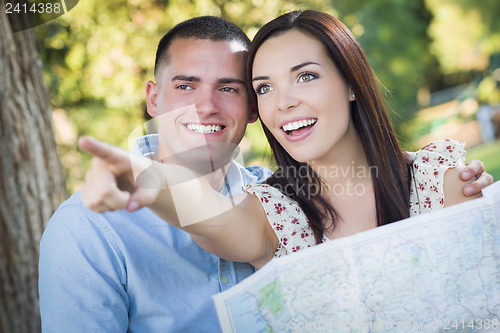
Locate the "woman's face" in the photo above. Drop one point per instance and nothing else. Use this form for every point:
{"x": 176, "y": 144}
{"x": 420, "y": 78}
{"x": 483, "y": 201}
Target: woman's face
{"x": 302, "y": 98}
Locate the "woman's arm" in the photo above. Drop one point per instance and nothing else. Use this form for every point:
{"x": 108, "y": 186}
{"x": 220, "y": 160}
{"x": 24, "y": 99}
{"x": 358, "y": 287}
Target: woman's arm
{"x": 234, "y": 228}
{"x": 475, "y": 172}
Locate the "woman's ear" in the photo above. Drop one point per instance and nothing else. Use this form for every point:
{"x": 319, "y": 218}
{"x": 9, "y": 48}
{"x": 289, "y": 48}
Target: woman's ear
{"x": 352, "y": 95}
{"x": 151, "y": 94}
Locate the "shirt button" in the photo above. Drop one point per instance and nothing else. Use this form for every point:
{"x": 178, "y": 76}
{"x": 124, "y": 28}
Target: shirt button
{"x": 224, "y": 280}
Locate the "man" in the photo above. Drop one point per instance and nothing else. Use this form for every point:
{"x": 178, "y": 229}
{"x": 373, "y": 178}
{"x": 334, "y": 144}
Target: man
{"x": 122, "y": 271}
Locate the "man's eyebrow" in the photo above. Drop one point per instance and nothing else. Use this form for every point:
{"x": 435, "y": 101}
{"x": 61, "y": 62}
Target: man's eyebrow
{"x": 185, "y": 78}
{"x": 229, "y": 80}
{"x": 293, "y": 69}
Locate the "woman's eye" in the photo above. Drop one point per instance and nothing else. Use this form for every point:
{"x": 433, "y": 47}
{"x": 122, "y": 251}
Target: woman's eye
{"x": 263, "y": 89}
{"x": 306, "y": 77}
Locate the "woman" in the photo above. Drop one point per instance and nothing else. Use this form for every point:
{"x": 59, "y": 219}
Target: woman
{"x": 308, "y": 66}
{"x": 326, "y": 122}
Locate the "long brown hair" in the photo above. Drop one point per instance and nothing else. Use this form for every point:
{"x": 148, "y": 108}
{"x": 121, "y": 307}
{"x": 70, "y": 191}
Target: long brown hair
{"x": 392, "y": 183}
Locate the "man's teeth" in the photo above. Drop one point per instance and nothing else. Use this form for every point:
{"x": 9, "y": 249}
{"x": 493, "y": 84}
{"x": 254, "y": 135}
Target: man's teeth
{"x": 204, "y": 128}
{"x": 298, "y": 124}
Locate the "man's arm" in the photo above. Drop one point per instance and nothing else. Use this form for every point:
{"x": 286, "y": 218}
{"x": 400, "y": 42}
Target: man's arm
{"x": 81, "y": 285}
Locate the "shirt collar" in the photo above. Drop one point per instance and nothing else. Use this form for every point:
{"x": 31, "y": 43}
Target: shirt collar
{"x": 233, "y": 179}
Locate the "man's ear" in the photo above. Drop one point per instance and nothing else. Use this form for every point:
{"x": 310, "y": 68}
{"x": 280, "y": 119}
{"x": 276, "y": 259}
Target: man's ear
{"x": 254, "y": 115}
{"x": 151, "y": 94}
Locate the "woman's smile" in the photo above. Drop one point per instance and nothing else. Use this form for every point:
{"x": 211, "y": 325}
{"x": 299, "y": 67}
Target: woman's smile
{"x": 299, "y": 129}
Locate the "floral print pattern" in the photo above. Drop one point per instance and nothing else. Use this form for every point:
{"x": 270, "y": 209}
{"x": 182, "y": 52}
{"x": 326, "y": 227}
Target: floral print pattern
{"x": 429, "y": 165}
{"x": 286, "y": 217}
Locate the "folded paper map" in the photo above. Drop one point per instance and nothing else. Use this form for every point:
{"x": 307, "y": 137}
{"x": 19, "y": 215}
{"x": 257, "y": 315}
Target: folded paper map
{"x": 438, "y": 272}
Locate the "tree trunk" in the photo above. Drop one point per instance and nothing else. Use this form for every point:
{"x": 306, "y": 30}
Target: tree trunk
{"x": 31, "y": 177}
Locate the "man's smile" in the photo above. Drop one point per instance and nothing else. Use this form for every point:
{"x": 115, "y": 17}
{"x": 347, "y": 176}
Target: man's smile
{"x": 204, "y": 129}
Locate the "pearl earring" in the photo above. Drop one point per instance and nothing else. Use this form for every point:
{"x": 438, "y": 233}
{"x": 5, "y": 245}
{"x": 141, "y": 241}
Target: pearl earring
{"x": 353, "y": 96}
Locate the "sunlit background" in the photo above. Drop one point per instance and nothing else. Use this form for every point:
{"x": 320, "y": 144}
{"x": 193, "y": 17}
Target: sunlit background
{"x": 440, "y": 60}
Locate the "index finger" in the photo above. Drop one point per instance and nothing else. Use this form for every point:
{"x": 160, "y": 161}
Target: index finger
{"x": 118, "y": 158}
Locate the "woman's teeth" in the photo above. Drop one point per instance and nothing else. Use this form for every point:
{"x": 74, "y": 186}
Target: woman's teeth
{"x": 298, "y": 124}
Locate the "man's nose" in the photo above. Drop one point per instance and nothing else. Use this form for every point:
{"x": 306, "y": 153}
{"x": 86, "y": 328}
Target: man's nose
{"x": 206, "y": 102}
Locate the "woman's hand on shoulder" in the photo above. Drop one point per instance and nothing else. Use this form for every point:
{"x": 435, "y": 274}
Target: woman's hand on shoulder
{"x": 475, "y": 171}
{"x": 455, "y": 186}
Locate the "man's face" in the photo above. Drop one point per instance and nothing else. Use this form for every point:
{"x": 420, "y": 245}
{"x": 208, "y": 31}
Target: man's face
{"x": 200, "y": 101}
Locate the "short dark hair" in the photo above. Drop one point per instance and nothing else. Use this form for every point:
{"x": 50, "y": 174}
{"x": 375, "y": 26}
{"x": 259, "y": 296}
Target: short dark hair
{"x": 202, "y": 27}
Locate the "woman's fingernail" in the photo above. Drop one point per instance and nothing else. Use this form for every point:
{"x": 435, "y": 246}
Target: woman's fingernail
{"x": 468, "y": 190}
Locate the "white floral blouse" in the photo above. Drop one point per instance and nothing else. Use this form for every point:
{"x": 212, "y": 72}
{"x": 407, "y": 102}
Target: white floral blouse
{"x": 429, "y": 165}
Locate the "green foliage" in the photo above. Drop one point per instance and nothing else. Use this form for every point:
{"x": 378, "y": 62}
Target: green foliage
{"x": 394, "y": 37}
{"x": 465, "y": 33}
{"x": 488, "y": 90}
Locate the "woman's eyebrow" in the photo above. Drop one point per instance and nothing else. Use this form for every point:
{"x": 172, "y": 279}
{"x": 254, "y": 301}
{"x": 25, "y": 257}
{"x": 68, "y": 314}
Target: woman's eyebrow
{"x": 299, "y": 66}
{"x": 293, "y": 69}
{"x": 257, "y": 78}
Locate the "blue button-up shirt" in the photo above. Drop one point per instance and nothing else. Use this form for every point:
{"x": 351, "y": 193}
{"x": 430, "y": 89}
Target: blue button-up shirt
{"x": 132, "y": 272}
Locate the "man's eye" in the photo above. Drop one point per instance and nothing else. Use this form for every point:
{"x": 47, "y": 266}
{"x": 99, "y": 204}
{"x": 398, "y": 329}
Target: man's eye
{"x": 306, "y": 77}
{"x": 263, "y": 89}
{"x": 184, "y": 87}
{"x": 229, "y": 89}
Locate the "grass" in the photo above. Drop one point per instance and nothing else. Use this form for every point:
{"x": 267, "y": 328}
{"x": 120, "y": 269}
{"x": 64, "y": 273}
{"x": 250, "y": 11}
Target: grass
{"x": 489, "y": 154}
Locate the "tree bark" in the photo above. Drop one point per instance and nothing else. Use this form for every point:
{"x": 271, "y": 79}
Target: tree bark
{"x": 31, "y": 178}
